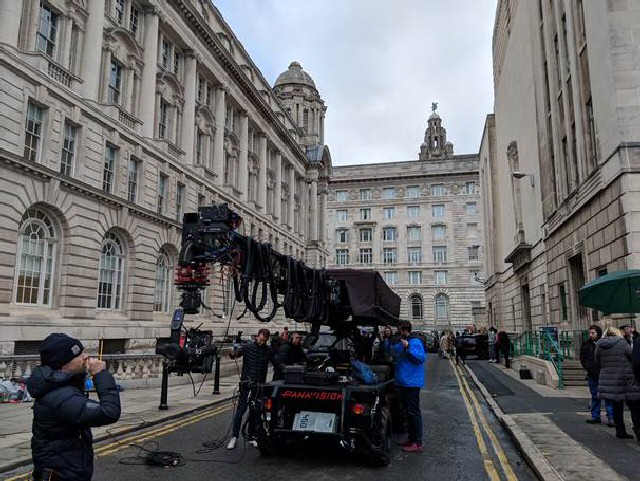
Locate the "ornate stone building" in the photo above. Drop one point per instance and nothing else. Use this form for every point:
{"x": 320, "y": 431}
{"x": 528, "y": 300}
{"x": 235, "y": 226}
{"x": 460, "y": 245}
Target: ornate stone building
{"x": 560, "y": 158}
{"x": 418, "y": 222}
{"x": 117, "y": 116}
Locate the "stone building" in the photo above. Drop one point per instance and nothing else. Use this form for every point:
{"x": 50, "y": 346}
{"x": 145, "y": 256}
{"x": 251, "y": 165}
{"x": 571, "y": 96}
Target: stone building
{"x": 560, "y": 158}
{"x": 420, "y": 224}
{"x": 118, "y": 116}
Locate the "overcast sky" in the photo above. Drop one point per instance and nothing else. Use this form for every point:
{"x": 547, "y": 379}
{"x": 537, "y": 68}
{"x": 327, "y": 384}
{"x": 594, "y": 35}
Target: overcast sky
{"x": 378, "y": 65}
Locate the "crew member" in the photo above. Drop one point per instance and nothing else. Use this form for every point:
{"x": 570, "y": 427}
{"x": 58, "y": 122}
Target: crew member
{"x": 291, "y": 352}
{"x": 257, "y": 356}
{"x": 63, "y": 416}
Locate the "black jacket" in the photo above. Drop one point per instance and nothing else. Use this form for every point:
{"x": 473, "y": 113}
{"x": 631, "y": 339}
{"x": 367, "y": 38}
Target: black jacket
{"x": 635, "y": 359}
{"x": 289, "y": 354}
{"x": 62, "y": 420}
{"x": 587, "y": 359}
{"x": 256, "y": 361}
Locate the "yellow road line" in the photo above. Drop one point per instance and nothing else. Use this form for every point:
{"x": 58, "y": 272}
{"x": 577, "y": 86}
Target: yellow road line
{"x": 487, "y": 461}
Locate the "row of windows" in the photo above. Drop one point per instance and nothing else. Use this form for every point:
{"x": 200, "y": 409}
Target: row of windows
{"x": 441, "y": 302}
{"x": 390, "y": 234}
{"x": 439, "y": 278}
{"x": 412, "y": 192}
{"x": 414, "y": 255}
{"x": 413, "y": 211}
{"x": 36, "y": 263}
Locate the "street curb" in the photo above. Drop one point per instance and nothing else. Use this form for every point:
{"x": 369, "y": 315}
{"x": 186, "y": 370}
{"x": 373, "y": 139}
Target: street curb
{"x": 25, "y": 461}
{"x": 532, "y": 455}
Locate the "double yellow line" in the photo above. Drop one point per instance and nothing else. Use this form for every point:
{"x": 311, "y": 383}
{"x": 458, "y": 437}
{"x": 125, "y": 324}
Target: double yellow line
{"x": 475, "y": 413}
{"x": 124, "y": 443}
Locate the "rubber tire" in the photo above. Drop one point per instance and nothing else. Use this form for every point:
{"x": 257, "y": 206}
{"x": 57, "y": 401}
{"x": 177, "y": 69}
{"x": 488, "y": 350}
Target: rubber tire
{"x": 382, "y": 441}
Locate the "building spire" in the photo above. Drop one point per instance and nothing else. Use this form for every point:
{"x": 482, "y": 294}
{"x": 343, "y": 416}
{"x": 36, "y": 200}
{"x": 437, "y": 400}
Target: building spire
{"x": 435, "y": 145}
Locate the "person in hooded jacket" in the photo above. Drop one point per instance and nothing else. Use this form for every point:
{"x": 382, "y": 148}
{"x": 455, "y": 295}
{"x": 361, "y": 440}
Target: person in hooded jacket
{"x": 616, "y": 382}
{"x": 62, "y": 444}
{"x": 587, "y": 359}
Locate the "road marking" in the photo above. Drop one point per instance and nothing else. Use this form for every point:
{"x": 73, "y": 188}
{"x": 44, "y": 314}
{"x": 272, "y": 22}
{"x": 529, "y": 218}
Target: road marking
{"x": 497, "y": 447}
{"x": 124, "y": 443}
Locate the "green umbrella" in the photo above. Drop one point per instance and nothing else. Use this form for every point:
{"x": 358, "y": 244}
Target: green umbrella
{"x": 618, "y": 292}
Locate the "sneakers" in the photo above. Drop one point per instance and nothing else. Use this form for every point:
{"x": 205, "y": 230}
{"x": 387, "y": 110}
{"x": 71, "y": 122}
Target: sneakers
{"x": 232, "y": 443}
{"x": 413, "y": 448}
{"x": 404, "y": 443}
{"x": 253, "y": 443}
{"x": 594, "y": 421}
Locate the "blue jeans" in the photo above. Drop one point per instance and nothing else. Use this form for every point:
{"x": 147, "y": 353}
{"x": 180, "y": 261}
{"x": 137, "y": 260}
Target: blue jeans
{"x": 411, "y": 405}
{"x": 596, "y": 401}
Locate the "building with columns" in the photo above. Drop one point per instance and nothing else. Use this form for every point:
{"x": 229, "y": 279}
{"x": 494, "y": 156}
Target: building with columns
{"x": 420, "y": 224}
{"x": 117, "y": 117}
{"x": 560, "y": 159}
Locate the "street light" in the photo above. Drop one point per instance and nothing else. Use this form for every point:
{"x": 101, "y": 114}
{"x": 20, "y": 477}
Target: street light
{"x": 519, "y": 175}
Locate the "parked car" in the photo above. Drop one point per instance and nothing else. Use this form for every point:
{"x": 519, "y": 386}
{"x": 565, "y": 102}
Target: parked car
{"x": 474, "y": 345}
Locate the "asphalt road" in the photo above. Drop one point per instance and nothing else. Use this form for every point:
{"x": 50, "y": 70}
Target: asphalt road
{"x": 462, "y": 442}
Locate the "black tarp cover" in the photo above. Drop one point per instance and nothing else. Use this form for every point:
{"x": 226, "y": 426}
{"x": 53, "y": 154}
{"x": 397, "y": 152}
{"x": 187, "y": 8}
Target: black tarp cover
{"x": 371, "y": 299}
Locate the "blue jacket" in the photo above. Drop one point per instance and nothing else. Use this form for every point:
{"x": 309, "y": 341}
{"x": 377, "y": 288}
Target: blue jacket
{"x": 410, "y": 363}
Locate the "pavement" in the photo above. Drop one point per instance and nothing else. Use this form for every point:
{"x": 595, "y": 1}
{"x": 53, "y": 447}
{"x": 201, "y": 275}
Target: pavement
{"x": 547, "y": 425}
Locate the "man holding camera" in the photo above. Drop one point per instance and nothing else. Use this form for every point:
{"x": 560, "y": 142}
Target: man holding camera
{"x": 63, "y": 415}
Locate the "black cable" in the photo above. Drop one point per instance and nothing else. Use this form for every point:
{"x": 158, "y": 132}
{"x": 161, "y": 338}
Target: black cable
{"x": 154, "y": 457}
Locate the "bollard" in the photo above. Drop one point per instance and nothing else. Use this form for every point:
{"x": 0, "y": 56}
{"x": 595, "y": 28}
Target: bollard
{"x": 216, "y": 378}
{"x": 164, "y": 388}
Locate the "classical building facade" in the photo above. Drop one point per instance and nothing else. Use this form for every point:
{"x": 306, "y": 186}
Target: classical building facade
{"x": 118, "y": 116}
{"x": 560, "y": 158}
{"x": 420, "y": 224}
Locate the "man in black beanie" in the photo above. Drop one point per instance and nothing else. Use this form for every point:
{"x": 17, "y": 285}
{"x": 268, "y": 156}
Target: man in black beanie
{"x": 63, "y": 416}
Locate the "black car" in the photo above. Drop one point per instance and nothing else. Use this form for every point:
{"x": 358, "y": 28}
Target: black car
{"x": 473, "y": 345}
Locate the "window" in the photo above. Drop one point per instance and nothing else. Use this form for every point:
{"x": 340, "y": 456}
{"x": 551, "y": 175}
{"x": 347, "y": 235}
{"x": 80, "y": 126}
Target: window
{"x": 341, "y": 215}
{"x": 439, "y": 254}
{"x": 415, "y": 278}
{"x": 68, "y": 149}
{"x": 389, "y": 234}
{"x": 413, "y": 191}
{"x": 177, "y": 59}
{"x": 134, "y": 20}
{"x": 437, "y": 189}
{"x": 132, "y": 181}
{"x": 199, "y": 144}
{"x": 473, "y": 253}
{"x": 342, "y": 236}
{"x": 365, "y": 194}
{"x": 413, "y": 211}
{"x": 46, "y": 32}
{"x": 163, "y": 119}
{"x": 472, "y": 230}
{"x": 110, "y": 274}
{"x": 474, "y": 276}
{"x": 33, "y": 132}
{"x": 438, "y": 232}
{"x": 341, "y": 195}
{"x": 442, "y": 307}
{"x": 437, "y": 210}
{"x": 108, "y": 176}
{"x": 414, "y": 233}
{"x": 165, "y": 53}
{"x": 440, "y": 278}
{"x": 366, "y": 235}
{"x": 342, "y": 257}
{"x": 120, "y": 9}
{"x": 472, "y": 208}
{"x": 389, "y": 255}
{"x": 388, "y": 193}
{"x": 179, "y": 200}
{"x": 162, "y": 193}
{"x": 36, "y": 259}
{"x": 201, "y": 200}
{"x": 390, "y": 277}
{"x": 414, "y": 255}
{"x": 469, "y": 187}
{"x": 564, "y": 302}
{"x": 162, "y": 294}
{"x": 389, "y": 212}
{"x": 416, "y": 307}
{"x": 365, "y": 214}
{"x": 115, "y": 82}
{"x": 366, "y": 256}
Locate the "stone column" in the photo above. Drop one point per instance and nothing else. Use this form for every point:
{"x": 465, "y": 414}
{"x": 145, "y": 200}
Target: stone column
{"x": 262, "y": 172}
{"x": 148, "y": 83}
{"x": 66, "y": 28}
{"x": 292, "y": 195}
{"x": 322, "y": 216}
{"x": 10, "y": 13}
{"x": 106, "y": 73}
{"x": 189, "y": 109}
{"x": 91, "y": 50}
{"x": 130, "y": 87}
{"x": 243, "y": 162}
{"x": 277, "y": 191}
{"x": 218, "y": 139}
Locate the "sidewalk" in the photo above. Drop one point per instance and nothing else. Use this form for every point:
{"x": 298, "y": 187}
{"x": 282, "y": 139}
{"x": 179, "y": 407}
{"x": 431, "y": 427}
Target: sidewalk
{"x": 139, "y": 410}
{"x": 550, "y": 429}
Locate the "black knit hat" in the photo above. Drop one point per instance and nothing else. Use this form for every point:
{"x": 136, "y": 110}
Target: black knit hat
{"x": 58, "y": 349}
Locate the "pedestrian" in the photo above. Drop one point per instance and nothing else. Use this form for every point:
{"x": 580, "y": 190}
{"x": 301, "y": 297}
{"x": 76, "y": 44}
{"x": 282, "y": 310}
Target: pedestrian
{"x": 587, "y": 359}
{"x": 384, "y": 347}
{"x": 62, "y": 444}
{"x": 451, "y": 344}
{"x": 291, "y": 352}
{"x": 491, "y": 337}
{"x": 444, "y": 341}
{"x": 634, "y": 404}
{"x": 410, "y": 358}
{"x": 613, "y": 359}
{"x": 504, "y": 348}
{"x": 627, "y": 331}
{"x": 257, "y": 356}
{"x": 460, "y": 352}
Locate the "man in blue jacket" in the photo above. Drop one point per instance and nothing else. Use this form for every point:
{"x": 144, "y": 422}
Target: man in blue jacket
{"x": 410, "y": 357}
{"x": 63, "y": 416}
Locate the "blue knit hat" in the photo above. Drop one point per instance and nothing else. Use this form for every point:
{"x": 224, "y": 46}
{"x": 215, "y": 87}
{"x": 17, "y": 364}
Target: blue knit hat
{"x": 58, "y": 349}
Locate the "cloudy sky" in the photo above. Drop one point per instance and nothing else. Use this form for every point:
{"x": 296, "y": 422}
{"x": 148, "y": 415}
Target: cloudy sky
{"x": 378, "y": 65}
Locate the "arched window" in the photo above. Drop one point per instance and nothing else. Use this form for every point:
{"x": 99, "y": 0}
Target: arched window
{"x": 110, "y": 276}
{"x": 36, "y": 259}
{"x": 442, "y": 307}
{"x": 162, "y": 296}
{"x": 416, "y": 306}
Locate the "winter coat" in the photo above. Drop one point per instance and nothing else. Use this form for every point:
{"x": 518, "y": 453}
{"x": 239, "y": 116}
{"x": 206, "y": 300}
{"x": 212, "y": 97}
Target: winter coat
{"x": 587, "y": 352}
{"x": 613, "y": 359}
{"x": 256, "y": 362}
{"x": 289, "y": 354}
{"x": 409, "y": 363}
{"x": 635, "y": 359}
{"x": 62, "y": 420}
